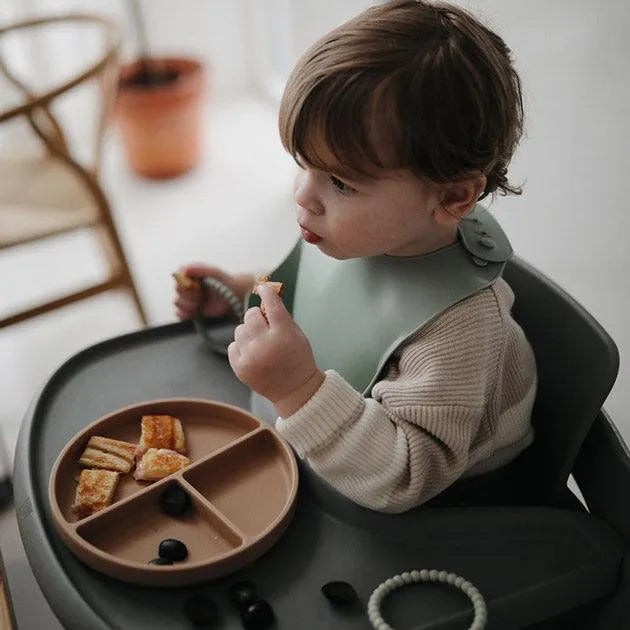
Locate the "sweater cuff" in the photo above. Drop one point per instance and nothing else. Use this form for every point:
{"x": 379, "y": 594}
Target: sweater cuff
{"x": 335, "y": 404}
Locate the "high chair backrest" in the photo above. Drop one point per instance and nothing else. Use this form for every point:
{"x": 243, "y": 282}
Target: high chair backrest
{"x": 577, "y": 364}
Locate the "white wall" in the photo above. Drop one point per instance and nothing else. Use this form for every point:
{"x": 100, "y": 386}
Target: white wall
{"x": 213, "y": 30}
{"x": 572, "y": 220}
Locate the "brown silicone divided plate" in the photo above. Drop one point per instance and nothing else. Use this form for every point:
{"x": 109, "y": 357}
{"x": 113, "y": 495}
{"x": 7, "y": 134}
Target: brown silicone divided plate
{"x": 242, "y": 481}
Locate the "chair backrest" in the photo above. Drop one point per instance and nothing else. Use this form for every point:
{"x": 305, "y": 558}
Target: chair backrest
{"x": 577, "y": 365}
{"x": 36, "y": 106}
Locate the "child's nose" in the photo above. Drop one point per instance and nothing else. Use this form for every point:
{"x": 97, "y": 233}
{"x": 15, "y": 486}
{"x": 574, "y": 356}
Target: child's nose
{"x": 305, "y": 194}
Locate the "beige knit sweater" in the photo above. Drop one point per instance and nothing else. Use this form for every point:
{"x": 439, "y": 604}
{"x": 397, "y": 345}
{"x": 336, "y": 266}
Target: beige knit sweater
{"x": 456, "y": 400}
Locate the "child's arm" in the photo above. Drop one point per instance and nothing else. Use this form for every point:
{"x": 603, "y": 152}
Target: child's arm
{"x": 428, "y": 421}
{"x": 431, "y": 418}
{"x": 383, "y": 456}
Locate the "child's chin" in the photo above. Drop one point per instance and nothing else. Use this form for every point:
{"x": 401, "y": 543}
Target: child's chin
{"x": 338, "y": 256}
{"x": 325, "y": 248}
{"x": 340, "y": 253}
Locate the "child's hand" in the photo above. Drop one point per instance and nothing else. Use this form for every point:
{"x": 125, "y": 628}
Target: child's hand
{"x": 194, "y": 301}
{"x": 273, "y": 356}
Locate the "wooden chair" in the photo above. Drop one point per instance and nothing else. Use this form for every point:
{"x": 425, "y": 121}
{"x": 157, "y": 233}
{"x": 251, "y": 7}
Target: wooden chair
{"x": 53, "y": 193}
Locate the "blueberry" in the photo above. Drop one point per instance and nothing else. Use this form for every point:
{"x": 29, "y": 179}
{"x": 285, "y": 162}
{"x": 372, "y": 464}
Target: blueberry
{"x": 242, "y": 594}
{"x": 160, "y": 561}
{"x": 174, "y": 500}
{"x": 201, "y": 610}
{"x": 257, "y": 616}
{"x": 340, "y": 593}
{"x": 173, "y": 549}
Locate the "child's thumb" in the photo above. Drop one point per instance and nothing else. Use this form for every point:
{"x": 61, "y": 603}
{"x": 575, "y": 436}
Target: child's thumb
{"x": 274, "y": 307}
{"x": 198, "y": 270}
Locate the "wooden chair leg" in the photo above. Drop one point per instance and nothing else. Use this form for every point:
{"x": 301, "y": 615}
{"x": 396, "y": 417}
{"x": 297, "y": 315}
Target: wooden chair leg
{"x": 118, "y": 265}
{"x": 106, "y": 230}
{"x": 136, "y": 300}
{"x": 66, "y": 300}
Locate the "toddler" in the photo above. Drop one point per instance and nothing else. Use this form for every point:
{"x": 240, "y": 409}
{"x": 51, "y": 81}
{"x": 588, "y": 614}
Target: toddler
{"x": 393, "y": 362}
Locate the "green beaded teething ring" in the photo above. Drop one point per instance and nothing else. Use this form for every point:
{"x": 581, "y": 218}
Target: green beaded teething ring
{"x": 212, "y": 284}
{"x": 413, "y": 577}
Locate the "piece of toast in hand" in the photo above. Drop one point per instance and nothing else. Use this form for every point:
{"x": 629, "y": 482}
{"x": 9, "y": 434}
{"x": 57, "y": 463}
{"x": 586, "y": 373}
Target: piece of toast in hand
{"x": 102, "y": 452}
{"x": 95, "y": 491}
{"x": 161, "y": 432}
{"x": 158, "y": 463}
{"x": 278, "y": 287}
{"x": 185, "y": 282}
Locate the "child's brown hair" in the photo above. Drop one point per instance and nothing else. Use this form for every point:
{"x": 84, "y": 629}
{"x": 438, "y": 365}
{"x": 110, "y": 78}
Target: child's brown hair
{"x": 411, "y": 85}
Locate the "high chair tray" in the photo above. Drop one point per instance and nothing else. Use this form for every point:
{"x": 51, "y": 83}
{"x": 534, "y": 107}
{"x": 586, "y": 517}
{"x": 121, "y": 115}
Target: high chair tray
{"x": 530, "y": 563}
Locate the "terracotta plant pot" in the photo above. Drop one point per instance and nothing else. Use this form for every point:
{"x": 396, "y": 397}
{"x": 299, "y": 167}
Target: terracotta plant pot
{"x": 159, "y": 112}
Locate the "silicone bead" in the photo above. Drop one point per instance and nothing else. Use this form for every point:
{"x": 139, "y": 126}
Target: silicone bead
{"x": 257, "y": 616}
{"x": 173, "y": 549}
{"x": 340, "y": 593}
{"x": 242, "y": 593}
{"x": 174, "y": 500}
{"x": 160, "y": 561}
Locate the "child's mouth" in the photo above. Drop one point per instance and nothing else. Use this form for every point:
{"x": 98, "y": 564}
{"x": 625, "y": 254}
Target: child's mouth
{"x": 310, "y": 237}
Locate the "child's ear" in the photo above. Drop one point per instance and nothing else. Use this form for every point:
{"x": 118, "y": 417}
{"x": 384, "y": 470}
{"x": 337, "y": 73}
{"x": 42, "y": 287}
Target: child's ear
{"x": 458, "y": 197}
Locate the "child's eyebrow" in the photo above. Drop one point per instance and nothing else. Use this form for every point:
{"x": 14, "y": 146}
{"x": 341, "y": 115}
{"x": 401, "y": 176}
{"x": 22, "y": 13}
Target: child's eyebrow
{"x": 352, "y": 177}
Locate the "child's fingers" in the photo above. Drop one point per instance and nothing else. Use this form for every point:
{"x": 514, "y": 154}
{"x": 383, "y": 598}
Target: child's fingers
{"x": 182, "y": 315}
{"x": 194, "y": 295}
{"x": 184, "y": 282}
{"x": 241, "y": 334}
{"x": 255, "y": 320}
{"x": 198, "y": 270}
{"x": 274, "y": 308}
{"x": 234, "y": 354}
{"x": 187, "y": 304}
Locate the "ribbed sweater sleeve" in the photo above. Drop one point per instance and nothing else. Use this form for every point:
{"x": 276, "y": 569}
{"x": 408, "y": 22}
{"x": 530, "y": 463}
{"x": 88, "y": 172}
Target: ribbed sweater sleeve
{"x": 432, "y": 416}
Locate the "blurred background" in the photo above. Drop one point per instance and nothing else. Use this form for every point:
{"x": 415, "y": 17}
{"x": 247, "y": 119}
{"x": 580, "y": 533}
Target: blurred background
{"x": 233, "y": 207}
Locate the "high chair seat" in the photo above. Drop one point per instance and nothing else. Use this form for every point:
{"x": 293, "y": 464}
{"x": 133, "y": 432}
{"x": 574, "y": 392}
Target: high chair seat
{"x": 39, "y": 197}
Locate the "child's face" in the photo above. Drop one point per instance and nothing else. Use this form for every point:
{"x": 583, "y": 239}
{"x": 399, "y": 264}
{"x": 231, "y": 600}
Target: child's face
{"x": 393, "y": 214}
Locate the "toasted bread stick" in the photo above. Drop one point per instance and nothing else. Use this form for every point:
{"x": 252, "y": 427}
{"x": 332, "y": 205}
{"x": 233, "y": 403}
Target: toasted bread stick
{"x": 95, "y": 491}
{"x": 278, "y": 287}
{"x": 102, "y": 452}
{"x": 161, "y": 432}
{"x": 158, "y": 463}
{"x": 185, "y": 282}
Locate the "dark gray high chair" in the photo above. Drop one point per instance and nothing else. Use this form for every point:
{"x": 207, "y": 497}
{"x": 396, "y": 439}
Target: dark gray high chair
{"x": 577, "y": 364}
{"x": 539, "y": 557}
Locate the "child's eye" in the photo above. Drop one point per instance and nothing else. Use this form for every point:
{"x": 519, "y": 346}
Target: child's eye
{"x": 342, "y": 187}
